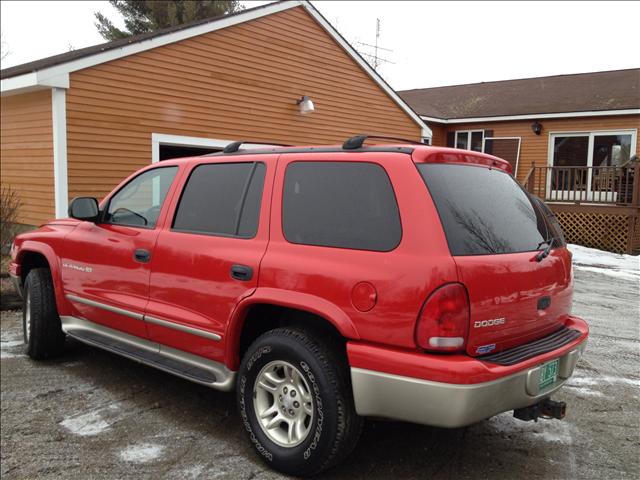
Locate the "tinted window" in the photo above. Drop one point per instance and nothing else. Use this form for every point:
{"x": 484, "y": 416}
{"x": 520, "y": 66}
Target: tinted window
{"x": 139, "y": 202}
{"x": 340, "y": 204}
{"x": 483, "y": 211}
{"x": 222, "y": 199}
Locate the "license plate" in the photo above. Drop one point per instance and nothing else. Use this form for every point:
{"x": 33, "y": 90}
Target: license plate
{"x": 549, "y": 374}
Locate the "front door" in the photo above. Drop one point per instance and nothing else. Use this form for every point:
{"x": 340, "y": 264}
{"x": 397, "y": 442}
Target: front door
{"x": 106, "y": 265}
{"x": 208, "y": 257}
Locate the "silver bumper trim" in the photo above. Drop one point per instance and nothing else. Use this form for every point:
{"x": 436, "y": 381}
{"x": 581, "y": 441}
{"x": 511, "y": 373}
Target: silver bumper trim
{"x": 104, "y": 306}
{"x": 183, "y": 328}
{"x": 380, "y": 394}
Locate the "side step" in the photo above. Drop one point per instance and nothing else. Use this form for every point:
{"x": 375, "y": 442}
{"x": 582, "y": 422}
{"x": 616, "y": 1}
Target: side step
{"x": 185, "y": 365}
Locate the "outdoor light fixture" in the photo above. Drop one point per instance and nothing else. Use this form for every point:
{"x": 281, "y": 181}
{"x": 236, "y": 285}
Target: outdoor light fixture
{"x": 536, "y": 127}
{"x": 305, "y": 105}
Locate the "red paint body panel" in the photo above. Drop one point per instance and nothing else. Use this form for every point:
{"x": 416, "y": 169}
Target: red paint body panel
{"x": 454, "y": 368}
{"x": 187, "y": 281}
{"x": 509, "y": 287}
{"x": 190, "y": 275}
{"x": 403, "y": 277}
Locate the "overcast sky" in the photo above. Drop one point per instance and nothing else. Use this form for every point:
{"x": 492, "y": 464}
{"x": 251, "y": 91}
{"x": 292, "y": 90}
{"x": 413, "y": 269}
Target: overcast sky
{"x": 431, "y": 43}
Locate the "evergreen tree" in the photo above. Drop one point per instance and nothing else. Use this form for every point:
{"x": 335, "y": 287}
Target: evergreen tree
{"x": 143, "y": 16}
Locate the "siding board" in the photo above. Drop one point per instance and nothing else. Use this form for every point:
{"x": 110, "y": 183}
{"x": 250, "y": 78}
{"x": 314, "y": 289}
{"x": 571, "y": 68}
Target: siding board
{"x": 26, "y": 163}
{"x": 239, "y": 82}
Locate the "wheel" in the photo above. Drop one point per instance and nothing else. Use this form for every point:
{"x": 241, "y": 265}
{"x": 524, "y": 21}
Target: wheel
{"x": 296, "y": 402}
{"x": 43, "y": 336}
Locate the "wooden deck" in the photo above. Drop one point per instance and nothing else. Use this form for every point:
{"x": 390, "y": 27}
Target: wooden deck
{"x": 597, "y": 206}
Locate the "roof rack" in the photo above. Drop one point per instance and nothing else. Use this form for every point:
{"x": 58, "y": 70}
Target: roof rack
{"x": 233, "y": 147}
{"x": 356, "y": 142}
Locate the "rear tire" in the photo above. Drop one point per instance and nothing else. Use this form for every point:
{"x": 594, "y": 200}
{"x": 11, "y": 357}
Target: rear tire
{"x": 43, "y": 336}
{"x": 291, "y": 381}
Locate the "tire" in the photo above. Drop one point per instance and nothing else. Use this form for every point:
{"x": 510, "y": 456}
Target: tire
{"x": 42, "y": 331}
{"x": 331, "y": 426}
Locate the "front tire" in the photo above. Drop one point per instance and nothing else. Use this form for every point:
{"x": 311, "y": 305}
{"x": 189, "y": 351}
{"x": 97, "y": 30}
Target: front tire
{"x": 43, "y": 336}
{"x": 296, "y": 403}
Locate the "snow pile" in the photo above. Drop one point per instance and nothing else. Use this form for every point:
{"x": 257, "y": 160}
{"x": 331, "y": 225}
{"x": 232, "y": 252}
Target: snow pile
{"x": 599, "y": 261}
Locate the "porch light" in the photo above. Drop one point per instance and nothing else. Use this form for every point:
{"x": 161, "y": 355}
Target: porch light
{"x": 536, "y": 127}
{"x": 305, "y": 105}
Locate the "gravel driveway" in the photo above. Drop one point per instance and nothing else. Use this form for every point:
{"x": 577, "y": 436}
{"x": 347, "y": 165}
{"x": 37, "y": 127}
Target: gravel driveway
{"x": 96, "y": 415}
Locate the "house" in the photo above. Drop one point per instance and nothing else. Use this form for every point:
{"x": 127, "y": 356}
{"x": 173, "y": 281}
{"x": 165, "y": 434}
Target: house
{"x": 571, "y": 139}
{"x": 75, "y": 124}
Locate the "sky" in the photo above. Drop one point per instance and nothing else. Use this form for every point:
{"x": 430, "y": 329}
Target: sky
{"x": 427, "y": 44}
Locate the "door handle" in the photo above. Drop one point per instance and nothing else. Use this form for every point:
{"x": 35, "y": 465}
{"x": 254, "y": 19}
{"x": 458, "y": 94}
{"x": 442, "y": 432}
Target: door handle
{"x": 241, "y": 272}
{"x": 141, "y": 255}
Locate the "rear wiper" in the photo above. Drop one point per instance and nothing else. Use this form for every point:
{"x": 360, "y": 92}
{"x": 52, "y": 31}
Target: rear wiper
{"x": 545, "y": 253}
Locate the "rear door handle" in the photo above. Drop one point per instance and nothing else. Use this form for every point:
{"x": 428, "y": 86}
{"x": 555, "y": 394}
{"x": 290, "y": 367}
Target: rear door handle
{"x": 141, "y": 255}
{"x": 241, "y": 272}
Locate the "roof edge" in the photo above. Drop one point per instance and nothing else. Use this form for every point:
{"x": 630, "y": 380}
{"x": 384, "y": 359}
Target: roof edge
{"x": 533, "y": 116}
{"x": 24, "y": 82}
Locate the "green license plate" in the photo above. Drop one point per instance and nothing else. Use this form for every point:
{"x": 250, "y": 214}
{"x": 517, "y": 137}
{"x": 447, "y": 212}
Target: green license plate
{"x": 549, "y": 373}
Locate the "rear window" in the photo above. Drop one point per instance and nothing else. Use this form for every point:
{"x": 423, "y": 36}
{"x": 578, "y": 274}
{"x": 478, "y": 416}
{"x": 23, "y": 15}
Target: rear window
{"x": 340, "y": 204}
{"x": 483, "y": 211}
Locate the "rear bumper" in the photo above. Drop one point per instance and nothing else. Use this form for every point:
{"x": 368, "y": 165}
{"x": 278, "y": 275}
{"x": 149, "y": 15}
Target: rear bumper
{"x": 444, "y": 404}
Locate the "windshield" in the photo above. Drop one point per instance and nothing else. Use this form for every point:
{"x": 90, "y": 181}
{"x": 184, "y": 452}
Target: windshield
{"x": 484, "y": 211}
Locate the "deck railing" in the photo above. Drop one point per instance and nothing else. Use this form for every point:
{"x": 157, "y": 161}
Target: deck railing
{"x": 593, "y": 185}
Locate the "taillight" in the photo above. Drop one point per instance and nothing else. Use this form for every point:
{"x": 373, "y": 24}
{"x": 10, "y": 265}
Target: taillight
{"x": 444, "y": 320}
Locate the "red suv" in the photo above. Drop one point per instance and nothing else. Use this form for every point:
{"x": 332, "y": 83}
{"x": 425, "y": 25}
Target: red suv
{"x": 323, "y": 284}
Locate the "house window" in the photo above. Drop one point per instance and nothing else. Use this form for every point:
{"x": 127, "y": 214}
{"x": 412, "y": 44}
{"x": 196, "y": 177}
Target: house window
{"x": 469, "y": 140}
{"x": 585, "y": 164}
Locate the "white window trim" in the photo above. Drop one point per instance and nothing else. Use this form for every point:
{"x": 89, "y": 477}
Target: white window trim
{"x": 591, "y": 134}
{"x": 468, "y": 133}
{"x": 158, "y": 139}
{"x": 515, "y": 170}
{"x": 59, "y": 127}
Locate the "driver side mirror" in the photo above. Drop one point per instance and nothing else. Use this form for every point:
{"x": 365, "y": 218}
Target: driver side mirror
{"x": 84, "y": 208}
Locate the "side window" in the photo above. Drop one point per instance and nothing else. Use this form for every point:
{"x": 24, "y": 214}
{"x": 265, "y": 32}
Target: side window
{"x": 222, "y": 199}
{"x": 139, "y": 202}
{"x": 340, "y": 204}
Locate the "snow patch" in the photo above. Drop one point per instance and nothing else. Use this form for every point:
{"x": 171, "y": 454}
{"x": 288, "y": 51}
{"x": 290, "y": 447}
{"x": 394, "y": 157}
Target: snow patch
{"x": 592, "y": 381}
{"x": 192, "y": 473}
{"x": 86, "y": 425}
{"x": 612, "y": 264}
{"x": 142, "y": 453}
{"x": 585, "y": 391}
{"x": 548, "y": 431}
{"x": 91, "y": 423}
{"x": 7, "y": 345}
{"x": 4, "y": 354}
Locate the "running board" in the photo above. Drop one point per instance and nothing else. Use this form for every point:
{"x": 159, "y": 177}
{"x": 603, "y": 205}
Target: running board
{"x": 185, "y": 365}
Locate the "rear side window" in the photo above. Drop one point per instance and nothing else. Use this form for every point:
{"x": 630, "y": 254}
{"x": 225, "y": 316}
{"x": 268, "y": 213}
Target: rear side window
{"x": 222, "y": 199}
{"x": 483, "y": 211}
{"x": 340, "y": 204}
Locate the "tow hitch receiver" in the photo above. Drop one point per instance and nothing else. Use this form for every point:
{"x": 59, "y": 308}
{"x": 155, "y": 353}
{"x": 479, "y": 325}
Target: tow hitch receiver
{"x": 546, "y": 409}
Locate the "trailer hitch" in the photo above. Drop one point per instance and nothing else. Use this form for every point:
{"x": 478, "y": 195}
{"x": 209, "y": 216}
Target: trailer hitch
{"x": 546, "y": 409}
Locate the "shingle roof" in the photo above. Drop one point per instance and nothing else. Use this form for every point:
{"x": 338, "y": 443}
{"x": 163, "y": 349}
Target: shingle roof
{"x": 103, "y": 47}
{"x": 597, "y": 91}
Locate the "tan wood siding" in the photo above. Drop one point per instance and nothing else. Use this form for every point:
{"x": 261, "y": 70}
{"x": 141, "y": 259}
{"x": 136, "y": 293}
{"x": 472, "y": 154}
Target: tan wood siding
{"x": 27, "y": 154}
{"x": 241, "y": 82}
{"x": 535, "y": 148}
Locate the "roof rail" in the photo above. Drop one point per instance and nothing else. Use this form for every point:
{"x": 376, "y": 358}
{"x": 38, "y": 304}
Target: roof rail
{"x": 356, "y": 142}
{"x": 233, "y": 147}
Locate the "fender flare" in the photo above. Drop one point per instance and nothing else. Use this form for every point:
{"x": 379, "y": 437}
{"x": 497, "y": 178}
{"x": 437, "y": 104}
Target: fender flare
{"x": 284, "y": 298}
{"x": 32, "y": 246}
